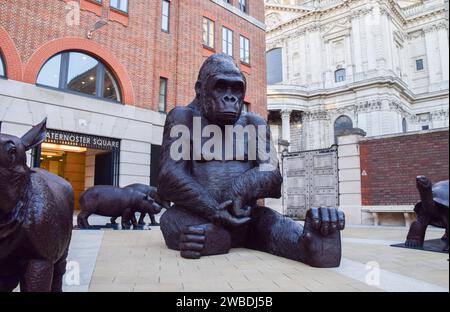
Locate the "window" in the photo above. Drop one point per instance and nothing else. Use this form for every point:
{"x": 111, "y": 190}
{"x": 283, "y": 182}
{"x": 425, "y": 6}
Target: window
{"x": 2, "y": 67}
{"x": 208, "y": 33}
{"x": 341, "y": 124}
{"x": 404, "y": 125}
{"x": 340, "y": 75}
{"x": 163, "y": 95}
{"x": 245, "y": 50}
{"x": 81, "y": 73}
{"x": 121, "y": 5}
{"x": 420, "y": 65}
{"x": 227, "y": 41}
{"x": 426, "y": 127}
{"x": 274, "y": 66}
{"x": 246, "y": 107}
{"x": 243, "y": 5}
{"x": 165, "y": 15}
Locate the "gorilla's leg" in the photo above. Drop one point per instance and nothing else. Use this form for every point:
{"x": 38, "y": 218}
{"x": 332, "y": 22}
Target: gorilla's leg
{"x": 193, "y": 235}
{"x": 317, "y": 244}
{"x": 142, "y": 218}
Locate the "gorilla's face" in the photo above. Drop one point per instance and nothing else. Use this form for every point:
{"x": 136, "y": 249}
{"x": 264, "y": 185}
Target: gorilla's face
{"x": 224, "y": 98}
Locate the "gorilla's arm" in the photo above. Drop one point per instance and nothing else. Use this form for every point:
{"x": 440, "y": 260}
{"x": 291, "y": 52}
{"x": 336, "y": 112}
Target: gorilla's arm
{"x": 263, "y": 181}
{"x": 175, "y": 181}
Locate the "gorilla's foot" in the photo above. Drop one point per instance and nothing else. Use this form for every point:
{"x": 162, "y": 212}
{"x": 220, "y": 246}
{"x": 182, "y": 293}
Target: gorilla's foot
{"x": 204, "y": 240}
{"x": 321, "y": 239}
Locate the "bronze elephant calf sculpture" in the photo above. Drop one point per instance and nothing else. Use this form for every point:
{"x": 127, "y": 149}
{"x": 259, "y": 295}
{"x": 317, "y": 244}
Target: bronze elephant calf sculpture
{"x": 36, "y": 213}
{"x": 114, "y": 202}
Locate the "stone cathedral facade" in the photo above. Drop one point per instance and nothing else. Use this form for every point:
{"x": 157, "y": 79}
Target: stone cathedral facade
{"x": 378, "y": 65}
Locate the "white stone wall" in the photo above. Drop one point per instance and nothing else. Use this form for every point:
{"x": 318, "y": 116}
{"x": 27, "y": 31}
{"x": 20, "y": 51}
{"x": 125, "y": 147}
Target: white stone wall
{"x": 23, "y": 105}
{"x": 377, "y": 43}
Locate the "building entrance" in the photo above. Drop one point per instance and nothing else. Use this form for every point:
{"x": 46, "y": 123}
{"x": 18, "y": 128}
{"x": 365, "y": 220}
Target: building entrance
{"x": 83, "y": 160}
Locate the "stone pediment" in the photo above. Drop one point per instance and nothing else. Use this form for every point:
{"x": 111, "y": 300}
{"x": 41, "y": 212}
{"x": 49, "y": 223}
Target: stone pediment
{"x": 336, "y": 31}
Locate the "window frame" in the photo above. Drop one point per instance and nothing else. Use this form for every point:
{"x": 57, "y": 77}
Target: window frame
{"x": 99, "y": 83}
{"x": 246, "y": 41}
{"x": 166, "y": 89}
{"x": 208, "y": 33}
{"x": 168, "y": 16}
{"x": 228, "y": 31}
{"x": 119, "y": 2}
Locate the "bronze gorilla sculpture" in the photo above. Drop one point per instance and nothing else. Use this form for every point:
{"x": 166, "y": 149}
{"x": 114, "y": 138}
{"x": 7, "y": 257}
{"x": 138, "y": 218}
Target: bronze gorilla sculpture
{"x": 36, "y": 216}
{"x": 215, "y": 199}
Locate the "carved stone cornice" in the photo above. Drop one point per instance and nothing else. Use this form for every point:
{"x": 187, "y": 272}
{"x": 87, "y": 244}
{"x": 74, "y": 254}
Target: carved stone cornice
{"x": 439, "y": 115}
{"x": 368, "y": 106}
{"x": 316, "y": 115}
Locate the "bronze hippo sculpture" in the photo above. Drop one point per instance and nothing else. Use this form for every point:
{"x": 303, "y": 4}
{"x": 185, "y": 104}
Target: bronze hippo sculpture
{"x": 114, "y": 202}
{"x": 153, "y": 193}
{"x": 36, "y": 216}
{"x": 431, "y": 210}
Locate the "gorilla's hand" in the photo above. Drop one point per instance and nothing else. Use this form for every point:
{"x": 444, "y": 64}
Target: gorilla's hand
{"x": 240, "y": 208}
{"x": 225, "y": 218}
{"x": 321, "y": 239}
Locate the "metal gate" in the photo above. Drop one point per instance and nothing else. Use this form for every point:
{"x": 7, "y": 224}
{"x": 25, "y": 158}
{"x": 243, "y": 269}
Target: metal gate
{"x": 310, "y": 180}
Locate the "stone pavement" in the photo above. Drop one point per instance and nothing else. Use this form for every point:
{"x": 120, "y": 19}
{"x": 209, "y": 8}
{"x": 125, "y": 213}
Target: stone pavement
{"x": 139, "y": 261}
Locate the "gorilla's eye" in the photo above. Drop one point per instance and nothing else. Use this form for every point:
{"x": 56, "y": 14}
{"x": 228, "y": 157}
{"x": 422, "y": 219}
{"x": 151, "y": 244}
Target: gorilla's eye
{"x": 221, "y": 86}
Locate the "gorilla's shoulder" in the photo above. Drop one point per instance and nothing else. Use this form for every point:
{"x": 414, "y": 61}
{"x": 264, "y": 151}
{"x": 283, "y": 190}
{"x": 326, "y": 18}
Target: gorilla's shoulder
{"x": 255, "y": 119}
{"x": 180, "y": 113}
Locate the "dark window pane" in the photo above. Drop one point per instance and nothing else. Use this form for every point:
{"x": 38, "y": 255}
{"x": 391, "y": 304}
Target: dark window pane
{"x": 419, "y": 64}
{"x": 50, "y": 72}
{"x": 340, "y": 75}
{"x": 2, "y": 67}
{"x": 274, "y": 66}
{"x": 404, "y": 125}
{"x": 82, "y": 73}
{"x": 111, "y": 88}
{"x": 163, "y": 95}
{"x": 343, "y": 123}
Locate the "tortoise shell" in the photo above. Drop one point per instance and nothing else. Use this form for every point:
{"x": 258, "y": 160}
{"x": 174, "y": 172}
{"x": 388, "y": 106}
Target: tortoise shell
{"x": 440, "y": 193}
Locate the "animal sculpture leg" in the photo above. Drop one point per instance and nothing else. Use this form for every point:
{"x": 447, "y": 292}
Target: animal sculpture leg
{"x": 317, "y": 244}
{"x": 37, "y": 276}
{"x": 58, "y": 273}
{"x": 8, "y": 284}
{"x": 82, "y": 220}
{"x": 193, "y": 236}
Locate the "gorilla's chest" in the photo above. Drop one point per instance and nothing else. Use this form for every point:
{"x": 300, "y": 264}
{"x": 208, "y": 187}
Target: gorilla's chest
{"x": 217, "y": 176}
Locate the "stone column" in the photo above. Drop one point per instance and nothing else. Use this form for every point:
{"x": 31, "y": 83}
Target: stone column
{"x": 286, "y": 121}
{"x": 350, "y": 199}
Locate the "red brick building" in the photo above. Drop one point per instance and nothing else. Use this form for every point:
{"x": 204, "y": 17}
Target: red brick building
{"x": 74, "y": 61}
{"x": 133, "y": 43}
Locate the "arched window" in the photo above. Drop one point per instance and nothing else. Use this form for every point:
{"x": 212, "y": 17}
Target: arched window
{"x": 341, "y": 124}
{"x": 340, "y": 75}
{"x": 404, "y": 125}
{"x": 274, "y": 66}
{"x": 2, "y": 67}
{"x": 81, "y": 73}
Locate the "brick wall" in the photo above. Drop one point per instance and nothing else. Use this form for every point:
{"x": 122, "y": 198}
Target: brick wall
{"x": 135, "y": 42}
{"x": 390, "y": 165}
